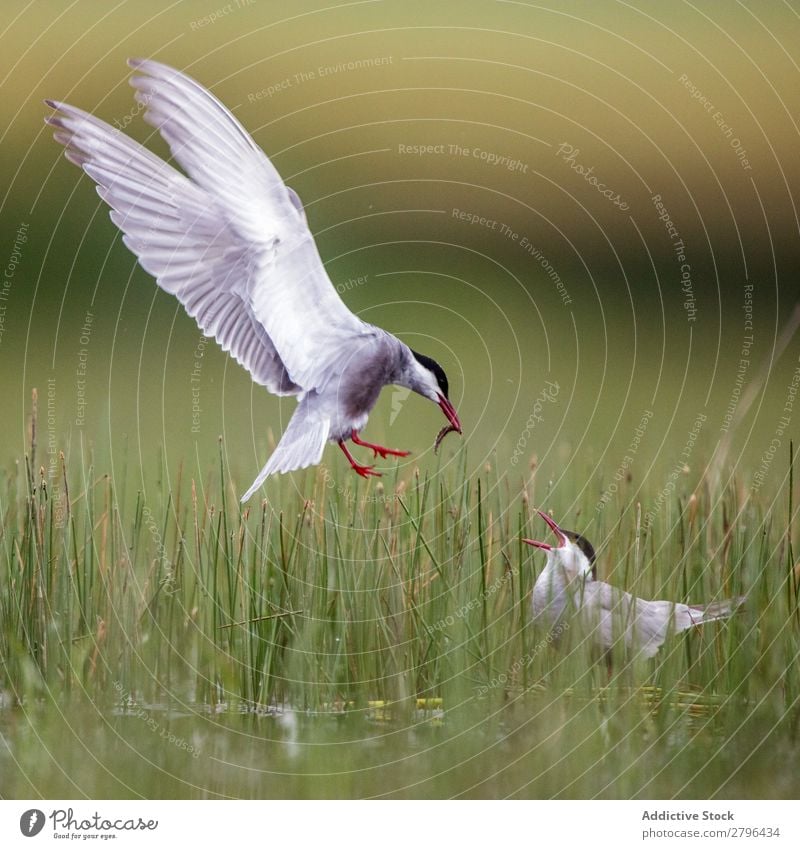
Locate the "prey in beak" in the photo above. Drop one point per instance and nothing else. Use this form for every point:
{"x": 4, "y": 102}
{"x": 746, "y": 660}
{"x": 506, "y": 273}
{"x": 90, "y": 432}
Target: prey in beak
{"x": 454, "y": 425}
{"x": 450, "y": 412}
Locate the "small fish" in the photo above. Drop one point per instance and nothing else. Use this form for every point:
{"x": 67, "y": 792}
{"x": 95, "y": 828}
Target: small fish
{"x": 448, "y": 428}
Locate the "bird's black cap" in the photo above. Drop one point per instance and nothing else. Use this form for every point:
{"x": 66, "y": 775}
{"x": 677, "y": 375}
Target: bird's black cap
{"x": 438, "y": 371}
{"x": 585, "y": 546}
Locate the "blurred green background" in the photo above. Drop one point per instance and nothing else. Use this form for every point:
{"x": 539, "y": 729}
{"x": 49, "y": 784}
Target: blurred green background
{"x": 695, "y": 103}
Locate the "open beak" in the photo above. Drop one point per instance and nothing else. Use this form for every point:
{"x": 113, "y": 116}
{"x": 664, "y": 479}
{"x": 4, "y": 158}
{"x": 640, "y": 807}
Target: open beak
{"x": 562, "y": 539}
{"x": 450, "y": 411}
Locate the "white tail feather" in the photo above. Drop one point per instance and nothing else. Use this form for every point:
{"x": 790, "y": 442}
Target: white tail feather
{"x": 301, "y": 446}
{"x": 717, "y": 609}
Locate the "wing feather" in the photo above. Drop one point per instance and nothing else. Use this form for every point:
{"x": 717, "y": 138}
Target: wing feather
{"x": 180, "y": 236}
{"x": 289, "y": 291}
{"x": 231, "y": 241}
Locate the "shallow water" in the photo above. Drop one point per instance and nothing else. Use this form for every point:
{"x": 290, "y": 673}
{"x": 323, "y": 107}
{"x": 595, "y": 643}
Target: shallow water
{"x": 536, "y": 745}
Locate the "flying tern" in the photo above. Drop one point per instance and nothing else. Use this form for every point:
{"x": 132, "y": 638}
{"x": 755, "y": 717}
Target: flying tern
{"x": 568, "y": 585}
{"x": 232, "y": 243}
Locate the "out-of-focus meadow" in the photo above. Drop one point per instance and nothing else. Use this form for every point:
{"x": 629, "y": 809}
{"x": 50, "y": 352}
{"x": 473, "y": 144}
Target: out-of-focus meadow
{"x": 587, "y": 214}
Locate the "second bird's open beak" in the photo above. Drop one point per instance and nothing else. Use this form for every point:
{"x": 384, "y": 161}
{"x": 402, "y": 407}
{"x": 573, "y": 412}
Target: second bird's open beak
{"x": 562, "y": 539}
{"x": 450, "y": 411}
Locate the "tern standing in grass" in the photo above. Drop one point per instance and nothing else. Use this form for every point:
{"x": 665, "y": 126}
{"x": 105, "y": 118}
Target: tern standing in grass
{"x": 568, "y": 584}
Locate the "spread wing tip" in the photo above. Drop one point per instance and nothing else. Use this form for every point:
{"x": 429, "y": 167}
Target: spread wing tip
{"x": 137, "y": 62}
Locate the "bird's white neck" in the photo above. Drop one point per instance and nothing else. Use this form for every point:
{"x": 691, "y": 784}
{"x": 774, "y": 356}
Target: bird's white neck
{"x": 570, "y": 559}
{"x": 566, "y": 570}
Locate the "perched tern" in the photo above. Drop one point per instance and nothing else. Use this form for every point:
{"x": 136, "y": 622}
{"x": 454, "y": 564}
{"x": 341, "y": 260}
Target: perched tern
{"x": 568, "y": 585}
{"x": 231, "y": 242}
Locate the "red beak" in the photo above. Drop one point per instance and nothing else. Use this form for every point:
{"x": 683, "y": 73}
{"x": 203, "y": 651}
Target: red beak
{"x": 562, "y": 540}
{"x": 450, "y": 411}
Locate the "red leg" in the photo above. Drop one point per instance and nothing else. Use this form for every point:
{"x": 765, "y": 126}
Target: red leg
{"x": 378, "y": 449}
{"x": 364, "y": 471}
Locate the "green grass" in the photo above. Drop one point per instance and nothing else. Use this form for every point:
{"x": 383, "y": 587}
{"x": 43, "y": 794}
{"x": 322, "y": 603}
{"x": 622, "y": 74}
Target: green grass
{"x": 373, "y": 638}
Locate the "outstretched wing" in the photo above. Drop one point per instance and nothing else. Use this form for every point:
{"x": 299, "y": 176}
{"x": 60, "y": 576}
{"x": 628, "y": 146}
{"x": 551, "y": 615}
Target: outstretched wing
{"x": 180, "y": 235}
{"x": 289, "y": 292}
{"x": 231, "y": 243}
